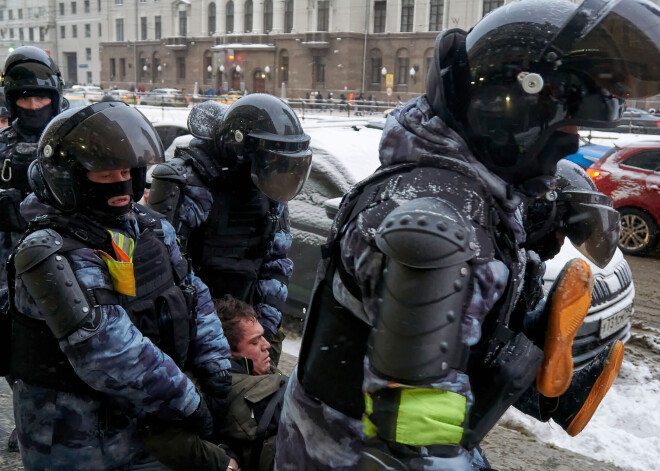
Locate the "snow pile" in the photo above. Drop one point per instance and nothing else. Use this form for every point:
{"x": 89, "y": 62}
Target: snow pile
{"x": 624, "y": 431}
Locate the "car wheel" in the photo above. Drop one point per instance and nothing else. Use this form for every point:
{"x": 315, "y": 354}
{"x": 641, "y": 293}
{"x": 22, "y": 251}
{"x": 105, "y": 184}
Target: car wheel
{"x": 639, "y": 232}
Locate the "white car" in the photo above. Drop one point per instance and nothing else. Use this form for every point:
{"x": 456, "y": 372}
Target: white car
{"x": 163, "y": 97}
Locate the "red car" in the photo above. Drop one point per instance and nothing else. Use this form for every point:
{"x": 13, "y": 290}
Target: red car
{"x": 630, "y": 175}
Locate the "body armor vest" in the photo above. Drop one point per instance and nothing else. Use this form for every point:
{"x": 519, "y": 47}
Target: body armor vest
{"x": 227, "y": 251}
{"x": 16, "y": 155}
{"x": 162, "y": 310}
{"x": 328, "y": 320}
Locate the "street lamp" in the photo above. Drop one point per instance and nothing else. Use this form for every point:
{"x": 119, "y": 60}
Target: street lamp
{"x": 238, "y": 69}
{"x": 221, "y": 68}
{"x": 412, "y": 73}
{"x": 209, "y": 69}
{"x": 383, "y": 71}
{"x": 267, "y": 71}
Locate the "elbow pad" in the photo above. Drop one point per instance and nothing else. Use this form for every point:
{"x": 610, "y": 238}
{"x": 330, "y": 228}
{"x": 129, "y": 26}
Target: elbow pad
{"x": 425, "y": 286}
{"x": 49, "y": 279}
{"x": 165, "y": 194}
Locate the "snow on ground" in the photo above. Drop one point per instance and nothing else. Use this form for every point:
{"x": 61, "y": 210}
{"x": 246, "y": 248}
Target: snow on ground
{"x": 624, "y": 431}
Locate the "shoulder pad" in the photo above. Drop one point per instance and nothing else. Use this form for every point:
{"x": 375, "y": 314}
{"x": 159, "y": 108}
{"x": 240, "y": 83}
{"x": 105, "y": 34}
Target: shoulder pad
{"x": 35, "y": 248}
{"x": 174, "y": 169}
{"x": 427, "y": 233}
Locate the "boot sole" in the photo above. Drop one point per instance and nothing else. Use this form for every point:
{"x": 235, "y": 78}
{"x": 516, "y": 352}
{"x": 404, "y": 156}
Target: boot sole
{"x": 569, "y": 305}
{"x": 598, "y": 391}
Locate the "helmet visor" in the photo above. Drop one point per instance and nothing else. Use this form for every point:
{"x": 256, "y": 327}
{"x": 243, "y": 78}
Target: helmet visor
{"x": 281, "y": 175}
{"x": 617, "y": 43}
{"x": 592, "y": 225}
{"x": 30, "y": 75}
{"x": 118, "y": 137}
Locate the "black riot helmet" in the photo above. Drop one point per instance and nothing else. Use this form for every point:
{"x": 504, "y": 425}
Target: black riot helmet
{"x": 263, "y": 131}
{"x": 4, "y": 112}
{"x": 101, "y": 136}
{"x": 205, "y": 119}
{"x": 30, "y": 71}
{"x": 576, "y": 208}
{"x": 532, "y": 67}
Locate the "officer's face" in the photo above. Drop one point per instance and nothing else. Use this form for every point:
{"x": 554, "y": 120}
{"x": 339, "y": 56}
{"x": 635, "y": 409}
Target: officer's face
{"x": 254, "y": 346}
{"x": 33, "y": 102}
{"x": 112, "y": 176}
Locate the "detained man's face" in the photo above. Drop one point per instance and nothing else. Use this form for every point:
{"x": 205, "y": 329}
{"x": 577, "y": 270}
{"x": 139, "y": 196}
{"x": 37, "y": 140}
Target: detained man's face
{"x": 254, "y": 346}
{"x": 112, "y": 176}
{"x": 4, "y": 122}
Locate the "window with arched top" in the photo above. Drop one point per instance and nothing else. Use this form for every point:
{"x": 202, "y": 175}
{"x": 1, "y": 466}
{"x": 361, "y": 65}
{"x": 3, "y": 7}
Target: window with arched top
{"x": 248, "y": 16}
{"x": 402, "y": 66}
{"x": 268, "y": 16}
{"x": 428, "y": 61}
{"x": 208, "y": 67}
{"x": 288, "y": 16}
{"x": 212, "y": 18}
{"x": 229, "y": 16}
{"x": 284, "y": 66}
{"x": 407, "y": 15}
{"x": 376, "y": 65}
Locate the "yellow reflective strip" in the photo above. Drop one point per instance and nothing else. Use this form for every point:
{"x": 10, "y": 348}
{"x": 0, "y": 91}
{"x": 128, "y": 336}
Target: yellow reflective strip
{"x": 121, "y": 274}
{"x": 123, "y": 246}
{"x": 369, "y": 429}
{"x": 430, "y": 416}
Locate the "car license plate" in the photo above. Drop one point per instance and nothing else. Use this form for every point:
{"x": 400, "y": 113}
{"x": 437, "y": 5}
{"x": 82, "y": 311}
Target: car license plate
{"x": 614, "y": 322}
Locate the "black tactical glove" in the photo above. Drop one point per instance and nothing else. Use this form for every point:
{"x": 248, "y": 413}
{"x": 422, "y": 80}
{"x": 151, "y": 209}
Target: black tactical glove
{"x": 199, "y": 422}
{"x": 10, "y": 216}
{"x": 216, "y": 388}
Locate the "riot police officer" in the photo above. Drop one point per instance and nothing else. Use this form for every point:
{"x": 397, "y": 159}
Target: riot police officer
{"x": 105, "y": 313}
{"x": 411, "y": 350}
{"x": 4, "y": 112}
{"x": 226, "y": 194}
{"x": 33, "y": 93}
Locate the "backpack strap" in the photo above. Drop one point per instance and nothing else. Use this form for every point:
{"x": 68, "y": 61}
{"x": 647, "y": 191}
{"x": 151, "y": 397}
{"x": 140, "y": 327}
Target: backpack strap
{"x": 276, "y": 400}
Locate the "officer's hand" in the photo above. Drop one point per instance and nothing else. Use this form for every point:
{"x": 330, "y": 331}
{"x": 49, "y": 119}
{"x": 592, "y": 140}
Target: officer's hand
{"x": 233, "y": 465}
{"x": 199, "y": 422}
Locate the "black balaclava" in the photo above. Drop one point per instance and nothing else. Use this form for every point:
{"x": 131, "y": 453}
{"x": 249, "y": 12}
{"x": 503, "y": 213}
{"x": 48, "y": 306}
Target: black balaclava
{"x": 95, "y": 198}
{"x": 34, "y": 121}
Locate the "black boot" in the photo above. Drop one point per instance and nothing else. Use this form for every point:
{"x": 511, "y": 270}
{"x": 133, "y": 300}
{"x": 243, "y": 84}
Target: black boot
{"x": 588, "y": 388}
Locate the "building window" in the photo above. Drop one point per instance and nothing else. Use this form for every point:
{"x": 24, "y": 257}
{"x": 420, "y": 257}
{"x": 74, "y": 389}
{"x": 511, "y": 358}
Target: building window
{"x": 42, "y": 34}
{"x": 99, "y": 30}
{"x": 143, "y": 28}
{"x": 288, "y": 16}
{"x": 119, "y": 2}
{"x": 2, "y": 15}
{"x": 181, "y": 67}
{"x": 74, "y": 31}
{"x": 11, "y": 33}
{"x": 11, "y": 14}
{"x": 73, "y": 8}
{"x": 20, "y": 13}
{"x": 183, "y": 23}
{"x": 88, "y": 53}
{"x": 318, "y": 70}
{"x": 113, "y": 70}
{"x": 157, "y": 27}
{"x": 88, "y": 30}
{"x": 62, "y": 32}
{"x": 268, "y": 16}
{"x": 323, "y": 17}
{"x": 122, "y": 68}
{"x": 98, "y": 5}
{"x": 89, "y": 77}
{"x": 143, "y": 68}
{"x": 20, "y": 34}
{"x": 490, "y": 5}
{"x": 208, "y": 64}
{"x": 212, "y": 18}
{"x": 435, "y": 20}
{"x": 86, "y": 6}
{"x": 402, "y": 68}
{"x": 119, "y": 29}
{"x": 407, "y": 14}
{"x": 61, "y": 10}
{"x": 248, "y": 16}
{"x": 380, "y": 12}
{"x": 376, "y": 66}
{"x": 31, "y": 34}
{"x": 229, "y": 12}
{"x": 42, "y": 12}
{"x": 284, "y": 66}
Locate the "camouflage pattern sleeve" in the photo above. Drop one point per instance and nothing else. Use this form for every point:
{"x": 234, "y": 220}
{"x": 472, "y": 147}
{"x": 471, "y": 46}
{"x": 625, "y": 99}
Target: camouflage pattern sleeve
{"x": 275, "y": 274}
{"x": 195, "y": 207}
{"x": 210, "y": 347}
